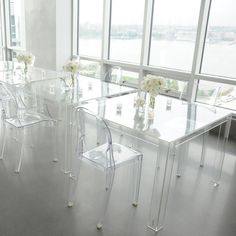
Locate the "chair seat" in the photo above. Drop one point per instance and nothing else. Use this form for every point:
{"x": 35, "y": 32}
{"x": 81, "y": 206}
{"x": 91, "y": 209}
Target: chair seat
{"x": 27, "y": 119}
{"x": 121, "y": 154}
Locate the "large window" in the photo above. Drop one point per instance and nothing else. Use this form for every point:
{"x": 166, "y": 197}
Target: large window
{"x": 174, "y": 33}
{"x": 126, "y": 30}
{"x": 184, "y": 41}
{"x": 16, "y": 23}
{"x": 220, "y": 47}
{"x": 90, "y": 27}
{"x": 1, "y": 33}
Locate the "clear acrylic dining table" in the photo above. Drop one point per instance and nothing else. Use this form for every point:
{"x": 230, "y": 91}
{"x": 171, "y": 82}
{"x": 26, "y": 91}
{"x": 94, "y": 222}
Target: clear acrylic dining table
{"x": 171, "y": 123}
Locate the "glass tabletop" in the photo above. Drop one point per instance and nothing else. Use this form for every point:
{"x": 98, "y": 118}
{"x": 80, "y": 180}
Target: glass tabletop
{"x": 8, "y": 65}
{"x": 13, "y": 73}
{"x": 170, "y": 120}
{"x": 12, "y": 77}
{"x": 86, "y": 88}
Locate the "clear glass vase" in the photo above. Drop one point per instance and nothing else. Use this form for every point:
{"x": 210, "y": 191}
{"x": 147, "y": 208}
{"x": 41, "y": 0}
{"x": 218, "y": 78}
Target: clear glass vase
{"x": 25, "y": 74}
{"x": 72, "y": 80}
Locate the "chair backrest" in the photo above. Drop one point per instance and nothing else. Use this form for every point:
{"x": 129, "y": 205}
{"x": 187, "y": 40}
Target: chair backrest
{"x": 93, "y": 131}
{"x": 11, "y": 100}
{"x": 208, "y": 94}
{"x": 115, "y": 75}
{"x": 183, "y": 89}
{"x": 20, "y": 100}
{"x": 212, "y": 95}
{"x": 215, "y": 95}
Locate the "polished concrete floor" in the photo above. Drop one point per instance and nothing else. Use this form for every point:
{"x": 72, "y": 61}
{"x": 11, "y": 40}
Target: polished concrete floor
{"x": 33, "y": 203}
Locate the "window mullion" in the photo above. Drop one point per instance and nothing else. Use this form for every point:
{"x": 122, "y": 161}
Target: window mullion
{"x": 199, "y": 47}
{"x": 105, "y": 35}
{"x": 146, "y": 39}
{"x": 106, "y": 29}
{"x": 75, "y": 27}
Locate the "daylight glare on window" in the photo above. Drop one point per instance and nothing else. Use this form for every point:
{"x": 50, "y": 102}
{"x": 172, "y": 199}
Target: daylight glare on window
{"x": 174, "y": 33}
{"x": 126, "y": 30}
{"x": 90, "y": 27}
{"x": 220, "y": 47}
{"x": 16, "y": 23}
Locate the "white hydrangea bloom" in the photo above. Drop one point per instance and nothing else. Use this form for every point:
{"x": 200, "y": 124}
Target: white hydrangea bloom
{"x": 27, "y": 58}
{"x": 72, "y": 66}
{"x": 139, "y": 102}
{"x": 152, "y": 84}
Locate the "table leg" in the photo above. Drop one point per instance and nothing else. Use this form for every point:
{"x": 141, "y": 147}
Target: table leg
{"x": 204, "y": 145}
{"x": 66, "y": 167}
{"x": 180, "y": 159}
{"x": 159, "y": 199}
{"x": 222, "y": 147}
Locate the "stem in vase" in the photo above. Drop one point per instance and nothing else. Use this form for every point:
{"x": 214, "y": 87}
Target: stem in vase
{"x": 152, "y": 102}
{"x": 72, "y": 80}
{"x": 25, "y": 71}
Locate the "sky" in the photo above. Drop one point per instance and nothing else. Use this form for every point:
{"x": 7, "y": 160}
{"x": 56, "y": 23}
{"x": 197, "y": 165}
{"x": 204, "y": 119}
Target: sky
{"x": 166, "y": 12}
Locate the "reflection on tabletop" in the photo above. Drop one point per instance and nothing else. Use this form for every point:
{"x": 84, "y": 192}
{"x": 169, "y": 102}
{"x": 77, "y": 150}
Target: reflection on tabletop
{"x": 170, "y": 120}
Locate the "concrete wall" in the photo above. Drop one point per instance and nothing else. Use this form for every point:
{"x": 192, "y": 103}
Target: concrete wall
{"x": 63, "y": 32}
{"x": 48, "y": 32}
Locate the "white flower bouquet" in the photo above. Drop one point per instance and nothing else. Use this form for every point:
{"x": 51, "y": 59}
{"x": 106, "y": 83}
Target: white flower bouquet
{"x": 153, "y": 85}
{"x": 26, "y": 58}
{"x": 139, "y": 102}
{"x": 72, "y": 67}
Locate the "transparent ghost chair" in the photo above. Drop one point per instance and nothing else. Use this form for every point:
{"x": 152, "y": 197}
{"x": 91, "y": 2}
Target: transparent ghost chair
{"x": 4, "y": 95}
{"x": 21, "y": 116}
{"x": 213, "y": 96}
{"x": 115, "y": 75}
{"x": 95, "y": 146}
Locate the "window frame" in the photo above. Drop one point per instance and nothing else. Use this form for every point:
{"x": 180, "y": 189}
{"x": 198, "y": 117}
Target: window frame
{"x": 143, "y": 68}
{"x": 8, "y": 27}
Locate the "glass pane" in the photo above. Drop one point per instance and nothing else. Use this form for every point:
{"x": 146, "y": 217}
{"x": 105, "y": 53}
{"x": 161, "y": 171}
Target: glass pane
{"x": 120, "y": 76}
{"x": 176, "y": 88}
{"x": 220, "y": 48}
{"x": 126, "y": 30}
{"x": 90, "y": 27}
{"x": 90, "y": 68}
{"x": 16, "y": 22}
{"x": 130, "y": 77}
{"x": 1, "y": 39}
{"x": 217, "y": 94}
{"x": 1, "y": 28}
{"x": 174, "y": 33}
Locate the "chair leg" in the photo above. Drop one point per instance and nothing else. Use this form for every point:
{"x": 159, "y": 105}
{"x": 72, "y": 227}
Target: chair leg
{"x": 159, "y": 156}
{"x": 55, "y": 141}
{"x": 3, "y": 134}
{"x": 110, "y": 173}
{"x": 22, "y": 147}
{"x": 203, "y": 153}
{"x": 137, "y": 182}
{"x": 181, "y": 152}
{"x": 31, "y": 136}
{"x": 73, "y": 182}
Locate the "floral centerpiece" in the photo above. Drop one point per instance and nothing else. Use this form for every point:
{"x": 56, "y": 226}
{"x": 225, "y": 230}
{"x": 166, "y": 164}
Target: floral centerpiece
{"x": 28, "y": 60}
{"x": 153, "y": 85}
{"x": 72, "y": 67}
{"x": 139, "y": 102}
